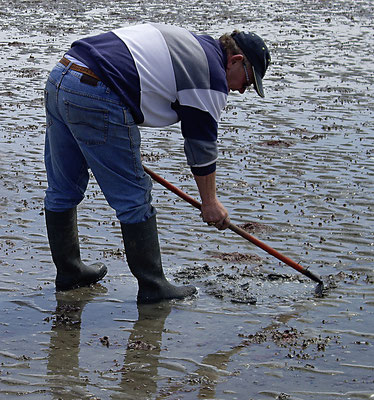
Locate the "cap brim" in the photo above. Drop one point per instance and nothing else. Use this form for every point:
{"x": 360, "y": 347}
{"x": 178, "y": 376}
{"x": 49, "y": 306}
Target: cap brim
{"x": 258, "y": 83}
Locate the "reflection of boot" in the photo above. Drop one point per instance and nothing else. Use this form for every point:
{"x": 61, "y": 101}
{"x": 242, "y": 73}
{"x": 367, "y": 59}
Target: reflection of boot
{"x": 63, "y": 353}
{"x": 64, "y": 243}
{"x": 144, "y": 259}
{"x": 150, "y": 323}
{"x": 143, "y": 349}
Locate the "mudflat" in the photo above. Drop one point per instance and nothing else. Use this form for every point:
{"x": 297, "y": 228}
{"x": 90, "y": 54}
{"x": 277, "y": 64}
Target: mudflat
{"x": 296, "y": 169}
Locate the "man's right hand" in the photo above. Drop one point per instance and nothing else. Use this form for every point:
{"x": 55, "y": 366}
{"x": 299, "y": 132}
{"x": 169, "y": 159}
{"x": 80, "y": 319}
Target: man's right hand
{"x": 212, "y": 210}
{"x": 215, "y": 214}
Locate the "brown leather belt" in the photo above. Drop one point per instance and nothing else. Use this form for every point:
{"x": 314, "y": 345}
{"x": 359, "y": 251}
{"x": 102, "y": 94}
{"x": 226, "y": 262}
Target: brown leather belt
{"x": 78, "y": 68}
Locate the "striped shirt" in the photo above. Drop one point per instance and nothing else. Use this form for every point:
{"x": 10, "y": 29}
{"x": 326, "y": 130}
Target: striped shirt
{"x": 164, "y": 74}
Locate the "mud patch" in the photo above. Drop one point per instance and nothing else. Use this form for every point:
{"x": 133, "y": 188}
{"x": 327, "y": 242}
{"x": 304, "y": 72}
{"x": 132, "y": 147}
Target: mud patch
{"x": 197, "y": 272}
{"x": 140, "y": 345}
{"x": 152, "y": 156}
{"x": 66, "y": 315}
{"x": 232, "y": 283}
{"x": 236, "y": 293}
{"x": 114, "y": 253}
{"x": 236, "y": 257}
{"x": 256, "y": 227}
{"x": 297, "y": 344}
{"x": 276, "y": 143}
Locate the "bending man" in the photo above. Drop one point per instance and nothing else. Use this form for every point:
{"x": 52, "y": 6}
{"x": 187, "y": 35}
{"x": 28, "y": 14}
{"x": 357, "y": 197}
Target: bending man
{"x": 98, "y": 95}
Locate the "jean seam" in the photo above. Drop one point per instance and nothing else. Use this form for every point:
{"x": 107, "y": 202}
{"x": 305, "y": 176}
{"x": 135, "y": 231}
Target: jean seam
{"x": 49, "y": 121}
{"x": 82, "y": 173}
{"x": 134, "y": 156}
{"x": 128, "y": 121}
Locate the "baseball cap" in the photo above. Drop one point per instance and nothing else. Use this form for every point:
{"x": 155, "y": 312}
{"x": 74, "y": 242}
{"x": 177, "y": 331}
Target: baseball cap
{"x": 254, "y": 48}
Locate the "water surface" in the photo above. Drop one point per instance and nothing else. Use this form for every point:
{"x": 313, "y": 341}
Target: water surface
{"x": 299, "y": 164}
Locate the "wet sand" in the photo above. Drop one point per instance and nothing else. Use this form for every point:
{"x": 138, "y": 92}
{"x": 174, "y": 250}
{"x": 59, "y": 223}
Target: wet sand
{"x": 296, "y": 168}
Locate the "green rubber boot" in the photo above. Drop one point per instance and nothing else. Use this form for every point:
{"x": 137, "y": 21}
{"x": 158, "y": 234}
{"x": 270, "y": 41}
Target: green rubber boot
{"x": 144, "y": 259}
{"x": 63, "y": 239}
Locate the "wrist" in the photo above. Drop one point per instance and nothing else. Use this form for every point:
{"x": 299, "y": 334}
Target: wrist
{"x": 209, "y": 202}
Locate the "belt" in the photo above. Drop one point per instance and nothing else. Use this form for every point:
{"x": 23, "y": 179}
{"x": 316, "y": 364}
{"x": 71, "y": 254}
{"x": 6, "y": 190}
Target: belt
{"x": 78, "y": 68}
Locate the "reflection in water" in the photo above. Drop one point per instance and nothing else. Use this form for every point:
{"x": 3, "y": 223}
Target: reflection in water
{"x": 219, "y": 361}
{"x": 140, "y": 367}
{"x": 63, "y": 358}
{"x": 139, "y": 373}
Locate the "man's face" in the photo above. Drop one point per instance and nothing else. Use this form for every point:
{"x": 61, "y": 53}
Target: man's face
{"x": 239, "y": 75}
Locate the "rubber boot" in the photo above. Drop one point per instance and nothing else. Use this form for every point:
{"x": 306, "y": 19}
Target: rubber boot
{"x": 63, "y": 239}
{"x": 144, "y": 260}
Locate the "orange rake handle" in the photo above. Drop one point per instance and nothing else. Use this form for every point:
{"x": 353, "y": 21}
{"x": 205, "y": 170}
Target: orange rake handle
{"x": 238, "y": 230}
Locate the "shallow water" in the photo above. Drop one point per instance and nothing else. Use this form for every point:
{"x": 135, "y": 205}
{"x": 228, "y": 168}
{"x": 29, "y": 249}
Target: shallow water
{"x": 300, "y": 163}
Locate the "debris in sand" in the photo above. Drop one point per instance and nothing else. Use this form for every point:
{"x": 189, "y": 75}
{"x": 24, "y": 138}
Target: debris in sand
{"x": 276, "y": 143}
{"x": 238, "y": 257}
{"x": 140, "y": 345}
{"x": 104, "y": 341}
{"x": 254, "y": 227}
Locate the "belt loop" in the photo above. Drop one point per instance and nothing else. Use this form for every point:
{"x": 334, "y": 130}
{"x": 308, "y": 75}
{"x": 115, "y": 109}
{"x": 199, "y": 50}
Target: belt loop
{"x": 67, "y": 67}
{"x": 63, "y": 73}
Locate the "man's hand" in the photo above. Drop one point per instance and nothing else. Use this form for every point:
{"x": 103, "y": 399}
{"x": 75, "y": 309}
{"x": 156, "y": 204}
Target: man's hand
{"x": 215, "y": 214}
{"x": 212, "y": 211}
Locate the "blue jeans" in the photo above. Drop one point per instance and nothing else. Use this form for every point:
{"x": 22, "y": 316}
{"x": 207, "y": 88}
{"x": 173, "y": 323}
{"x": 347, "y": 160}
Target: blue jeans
{"x": 88, "y": 127}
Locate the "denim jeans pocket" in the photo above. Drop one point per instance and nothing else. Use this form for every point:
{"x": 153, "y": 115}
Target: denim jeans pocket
{"x": 88, "y": 125}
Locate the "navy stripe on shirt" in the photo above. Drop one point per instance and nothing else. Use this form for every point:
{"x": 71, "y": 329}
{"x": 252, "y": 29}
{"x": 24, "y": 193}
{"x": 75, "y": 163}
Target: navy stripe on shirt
{"x": 98, "y": 53}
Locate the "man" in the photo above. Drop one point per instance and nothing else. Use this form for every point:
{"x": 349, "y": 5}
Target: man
{"x": 96, "y": 97}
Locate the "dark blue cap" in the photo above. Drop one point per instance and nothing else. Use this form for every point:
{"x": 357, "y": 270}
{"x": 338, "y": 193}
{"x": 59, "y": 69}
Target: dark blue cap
{"x": 254, "y": 48}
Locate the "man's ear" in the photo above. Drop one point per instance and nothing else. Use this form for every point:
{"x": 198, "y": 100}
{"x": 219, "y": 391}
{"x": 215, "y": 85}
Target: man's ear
{"x": 234, "y": 59}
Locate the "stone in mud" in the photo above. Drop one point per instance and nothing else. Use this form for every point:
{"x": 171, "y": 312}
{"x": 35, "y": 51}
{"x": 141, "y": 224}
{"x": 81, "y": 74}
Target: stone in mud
{"x": 283, "y": 396}
{"x": 104, "y": 341}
